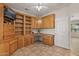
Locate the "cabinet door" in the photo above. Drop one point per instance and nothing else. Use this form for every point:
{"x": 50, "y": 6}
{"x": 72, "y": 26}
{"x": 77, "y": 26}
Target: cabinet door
{"x": 29, "y": 39}
{"x": 45, "y": 22}
{"x": 49, "y": 21}
{"x": 44, "y": 39}
{"x": 32, "y": 39}
{"x": 8, "y": 29}
{"x": 4, "y": 49}
{"x": 39, "y": 24}
{"x": 20, "y": 42}
{"x": 13, "y": 46}
{"x": 52, "y": 21}
{"x": 25, "y": 42}
{"x": 48, "y": 40}
{"x": 34, "y": 23}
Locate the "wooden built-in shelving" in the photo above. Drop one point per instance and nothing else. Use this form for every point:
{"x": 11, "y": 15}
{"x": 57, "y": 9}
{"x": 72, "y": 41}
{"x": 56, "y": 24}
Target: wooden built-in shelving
{"x": 28, "y": 24}
{"x": 19, "y": 22}
{"x": 23, "y": 24}
{"x": 14, "y": 34}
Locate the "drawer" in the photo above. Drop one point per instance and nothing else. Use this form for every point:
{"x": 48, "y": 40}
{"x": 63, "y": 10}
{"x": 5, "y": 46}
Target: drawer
{"x": 11, "y": 37}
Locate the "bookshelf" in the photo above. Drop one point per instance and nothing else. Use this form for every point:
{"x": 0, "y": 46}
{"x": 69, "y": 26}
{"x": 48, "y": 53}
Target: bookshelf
{"x": 19, "y": 22}
{"x": 28, "y": 24}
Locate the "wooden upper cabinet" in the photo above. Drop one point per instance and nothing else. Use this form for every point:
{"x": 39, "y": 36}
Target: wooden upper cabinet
{"x": 39, "y": 23}
{"x": 34, "y": 23}
{"x": 46, "y": 22}
{"x": 49, "y": 21}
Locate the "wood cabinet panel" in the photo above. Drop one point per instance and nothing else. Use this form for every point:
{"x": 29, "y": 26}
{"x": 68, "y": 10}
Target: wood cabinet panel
{"x": 25, "y": 42}
{"x": 8, "y": 29}
{"x": 13, "y": 46}
{"x": 29, "y": 38}
{"x": 48, "y": 40}
{"x": 34, "y": 23}
{"x": 28, "y": 41}
{"x": 4, "y": 49}
{"x": 1, "y": 21}
{"x": 49, "y": 21}
{"x": 20, "y": 41}
{"x": 46, "y": 22}
{"x": 32, "y": 39}
{"x": 39, "y": 24}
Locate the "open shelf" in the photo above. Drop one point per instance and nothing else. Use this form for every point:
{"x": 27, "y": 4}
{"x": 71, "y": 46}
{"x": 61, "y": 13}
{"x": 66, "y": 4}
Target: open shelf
{"x": 19, "y": 24}
{"x": 19, "y": 18}
{"x": 28, "y": 23}
{"x": 23, "y": 24}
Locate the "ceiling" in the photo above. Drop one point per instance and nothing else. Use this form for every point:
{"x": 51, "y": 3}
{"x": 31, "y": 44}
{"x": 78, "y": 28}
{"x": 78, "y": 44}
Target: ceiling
{"x": 29, "y": 7}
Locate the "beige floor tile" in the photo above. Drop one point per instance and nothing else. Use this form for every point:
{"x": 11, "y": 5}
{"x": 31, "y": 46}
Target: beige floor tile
{"x": 42, "y": 50}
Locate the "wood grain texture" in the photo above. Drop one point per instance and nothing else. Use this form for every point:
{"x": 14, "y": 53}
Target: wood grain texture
{"x": 46, "y": 22}
{"x": 1, "y": 21}
{"x": 4, "y": 49}
{"x": 49, "y": 21}
{"x": 48, "y": 40}
{"x": 33, "y": 22}
{"x": 20, "y": 41}
{"x": 29, "y": 38}
{"x": 13, "y": 46}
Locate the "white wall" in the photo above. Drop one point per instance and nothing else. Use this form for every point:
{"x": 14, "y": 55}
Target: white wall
{"x": 34, "y": 30}
{"x": 48, "y": 31}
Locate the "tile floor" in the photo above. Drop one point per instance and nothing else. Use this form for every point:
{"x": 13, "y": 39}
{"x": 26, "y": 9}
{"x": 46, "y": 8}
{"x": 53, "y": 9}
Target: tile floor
{"x": 42, "y": 50}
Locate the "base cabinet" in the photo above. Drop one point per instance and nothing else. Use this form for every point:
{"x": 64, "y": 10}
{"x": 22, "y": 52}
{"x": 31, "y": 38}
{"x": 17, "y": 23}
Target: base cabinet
{"x": 20, "y": 41}
{"x": 13, "y": 46}
{"x": 29, "y": 39}
{"x": 4, "y": 49}
{"x": 48, "y": 40}
{"x": 23, "y": 41}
